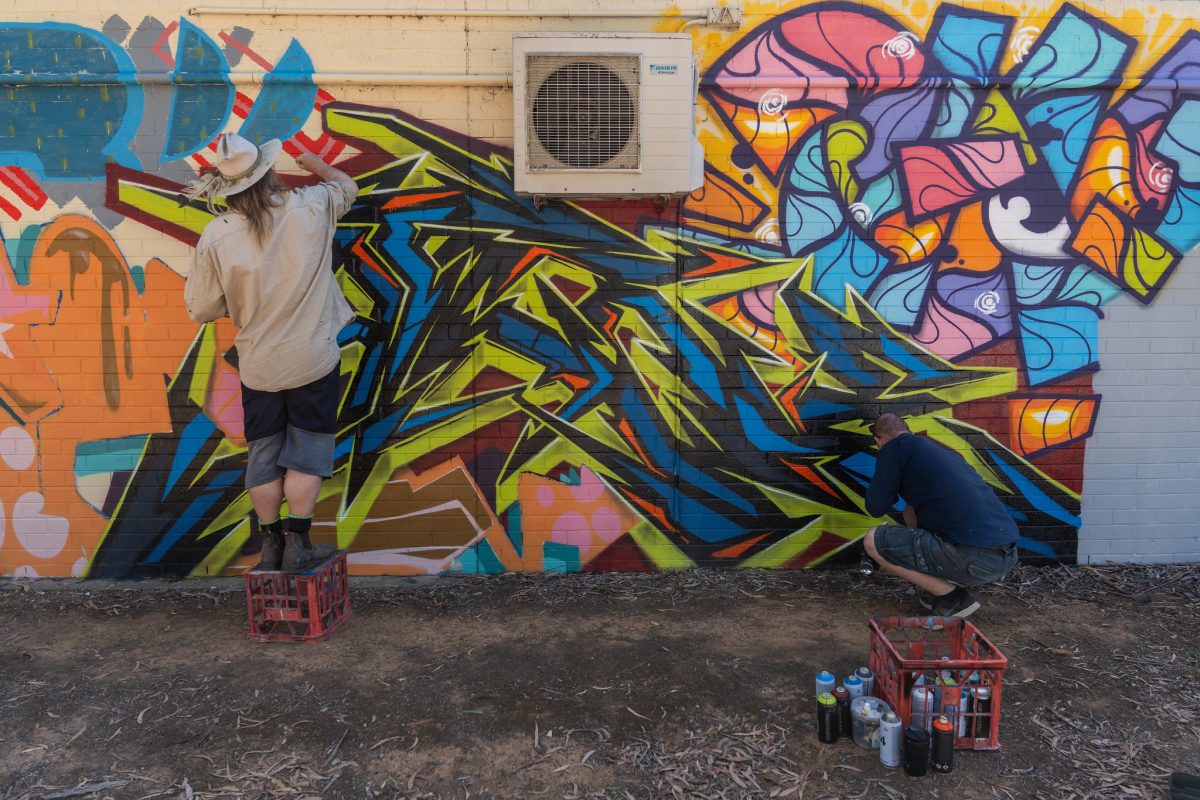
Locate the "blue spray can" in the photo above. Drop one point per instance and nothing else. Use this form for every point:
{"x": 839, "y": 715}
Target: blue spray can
{"x": 825, "y": 682}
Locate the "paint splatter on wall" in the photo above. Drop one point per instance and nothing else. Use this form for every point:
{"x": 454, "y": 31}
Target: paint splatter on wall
{"x": 921, "y": 217}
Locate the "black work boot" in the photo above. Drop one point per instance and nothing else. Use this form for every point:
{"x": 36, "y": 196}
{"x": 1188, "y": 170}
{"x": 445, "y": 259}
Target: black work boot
{"x": 299, "y": 556}
{"x": 272, "y": 551}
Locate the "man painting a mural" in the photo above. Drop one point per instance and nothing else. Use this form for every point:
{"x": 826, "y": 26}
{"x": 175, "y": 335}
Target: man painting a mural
{"x": 956, "y": 532}
{"x": 266, "y": 264}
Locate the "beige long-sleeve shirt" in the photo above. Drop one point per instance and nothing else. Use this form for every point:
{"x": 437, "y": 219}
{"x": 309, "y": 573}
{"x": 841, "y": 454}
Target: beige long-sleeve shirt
{"x": 282, "y": 294}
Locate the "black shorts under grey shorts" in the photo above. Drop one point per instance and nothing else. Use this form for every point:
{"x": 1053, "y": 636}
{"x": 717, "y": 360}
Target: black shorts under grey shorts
{"x": 918, "y": 549}
{"x": 293, "y": 429}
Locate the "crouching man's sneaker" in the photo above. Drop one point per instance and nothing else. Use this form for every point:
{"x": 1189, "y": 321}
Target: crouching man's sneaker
{"x": 958, "y": 603}
{"x": 299, "y": 556}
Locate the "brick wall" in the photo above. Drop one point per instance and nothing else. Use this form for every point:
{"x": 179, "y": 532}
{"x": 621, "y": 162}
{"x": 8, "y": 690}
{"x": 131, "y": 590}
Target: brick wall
{"x": 974, "y": 217}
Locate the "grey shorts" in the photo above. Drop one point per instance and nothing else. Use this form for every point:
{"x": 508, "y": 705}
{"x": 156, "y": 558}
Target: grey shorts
{"x": 918, "y": 549}
{"x": 293, "y": 429}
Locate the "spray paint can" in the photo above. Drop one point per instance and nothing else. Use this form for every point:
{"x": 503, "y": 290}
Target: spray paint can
{"x": 921, "y": 708}
{"x": 868, "y": 679}
{"x": 966, "y": 707}
{"x": 828, "y": 724}
{"x": 845, "y": 722}
{"x": 854, "y": 686}
{"x": 983, "y": 711}
{"x": 948, "y": 705}
{"x": 943, "y": 745}
{"x": 825, "y": 682}
{"x": 891, "y": 740}
{"x": 916, "y": 752}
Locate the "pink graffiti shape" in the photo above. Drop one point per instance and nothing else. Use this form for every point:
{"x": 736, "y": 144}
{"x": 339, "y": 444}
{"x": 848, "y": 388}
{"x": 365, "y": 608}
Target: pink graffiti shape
{"x": 942, "y": 176}
{"x": 1152, "y": 178}
{"x": 759, "y": 304}
{"x": 590, "y": 488}
{"x": 606, "y": 524}
{"x": 571, "y": 528}
{"x": 876, "y": 56}
{"x": 224, "y": 402}
{"x": 950, "y": 334}
{"x": 765, "y": 63}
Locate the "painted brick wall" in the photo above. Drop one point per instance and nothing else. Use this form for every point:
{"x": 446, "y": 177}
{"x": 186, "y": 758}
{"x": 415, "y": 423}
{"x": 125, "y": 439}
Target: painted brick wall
{"x": 1142, "y": 473}
{"x": 976, "y": 217}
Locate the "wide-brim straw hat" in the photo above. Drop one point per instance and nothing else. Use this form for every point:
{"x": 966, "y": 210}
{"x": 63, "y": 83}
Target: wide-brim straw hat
{"x": 240, "y": 165}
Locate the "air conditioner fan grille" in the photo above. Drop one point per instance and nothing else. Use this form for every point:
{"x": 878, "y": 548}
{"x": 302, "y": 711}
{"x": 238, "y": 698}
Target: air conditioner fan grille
{"x": 583, "y": 112}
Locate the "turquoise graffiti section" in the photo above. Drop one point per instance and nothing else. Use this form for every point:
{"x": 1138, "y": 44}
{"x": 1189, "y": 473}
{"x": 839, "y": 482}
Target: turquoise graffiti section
{"x": 286, "y": 98}
{"x": 71, "y": 102}
{"x": 203, "y": 96}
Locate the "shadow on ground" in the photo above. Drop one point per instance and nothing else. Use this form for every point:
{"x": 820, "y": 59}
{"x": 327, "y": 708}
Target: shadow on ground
{"x": 686, "y": 685}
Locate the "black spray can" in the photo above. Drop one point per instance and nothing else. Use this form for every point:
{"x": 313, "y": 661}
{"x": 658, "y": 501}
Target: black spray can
{"x": 916, "y": 752}
{"x": 845, "y": 723}
{"x": 943, "y": 745}
{"x": 828, "y": 724}
{"x": 982, "y": 702}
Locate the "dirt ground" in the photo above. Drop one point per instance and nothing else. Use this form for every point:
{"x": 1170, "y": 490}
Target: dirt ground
{"x": 685, "y": 685}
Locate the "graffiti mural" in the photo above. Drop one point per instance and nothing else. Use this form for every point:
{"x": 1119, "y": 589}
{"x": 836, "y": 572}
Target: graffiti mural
{"x": 926, "y": 221}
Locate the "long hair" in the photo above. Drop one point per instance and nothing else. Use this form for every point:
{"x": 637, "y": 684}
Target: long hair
{"x": 255, "y": 203}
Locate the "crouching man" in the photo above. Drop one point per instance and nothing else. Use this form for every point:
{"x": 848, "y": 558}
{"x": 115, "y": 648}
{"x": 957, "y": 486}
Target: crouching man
{"x": 957, "y": 533}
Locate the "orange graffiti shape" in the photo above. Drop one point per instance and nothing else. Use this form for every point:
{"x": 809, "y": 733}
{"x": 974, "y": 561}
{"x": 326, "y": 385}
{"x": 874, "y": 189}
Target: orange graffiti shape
{"x": 586, "y": 515}
{"x": 909, "y": 242}
{"x": 1039, "y": 423}
{"x": 1106, "y": 171}
{"x": 971, "y": 242}
{"x": 107, "y": 351}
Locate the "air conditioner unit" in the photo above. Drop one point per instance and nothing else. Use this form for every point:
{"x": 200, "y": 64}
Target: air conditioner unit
{"x": 605, "y": 115}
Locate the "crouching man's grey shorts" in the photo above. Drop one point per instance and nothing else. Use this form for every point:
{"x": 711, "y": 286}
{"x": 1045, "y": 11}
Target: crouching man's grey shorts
{"x": 291, "y": 430}
{"x": 918, "y": 549}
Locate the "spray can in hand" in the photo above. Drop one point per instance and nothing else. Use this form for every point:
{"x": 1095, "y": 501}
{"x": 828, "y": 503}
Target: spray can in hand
{"x": 943, "y": 745}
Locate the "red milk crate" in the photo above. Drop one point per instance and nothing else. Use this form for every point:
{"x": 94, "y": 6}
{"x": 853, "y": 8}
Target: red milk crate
{"x": 907, "y": 652}
{"x": 301, "y": 607}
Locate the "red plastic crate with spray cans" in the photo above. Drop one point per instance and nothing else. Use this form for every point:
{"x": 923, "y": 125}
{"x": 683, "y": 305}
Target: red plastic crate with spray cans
{"x": 300, "y": 607}
{"x": 955, "y": 669}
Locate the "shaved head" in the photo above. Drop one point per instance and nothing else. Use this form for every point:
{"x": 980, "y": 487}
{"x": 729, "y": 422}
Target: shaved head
{"x": 888, "y": 427}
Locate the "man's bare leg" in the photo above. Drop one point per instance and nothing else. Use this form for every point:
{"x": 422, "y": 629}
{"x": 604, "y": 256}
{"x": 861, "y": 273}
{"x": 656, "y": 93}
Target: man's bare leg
{"x": 935, "y": 586}
{"x": 301, "y": 491}
{"x": 267, "y": 498}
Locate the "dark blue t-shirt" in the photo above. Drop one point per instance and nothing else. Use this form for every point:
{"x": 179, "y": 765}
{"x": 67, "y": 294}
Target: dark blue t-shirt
{"x": 949, "y": 497}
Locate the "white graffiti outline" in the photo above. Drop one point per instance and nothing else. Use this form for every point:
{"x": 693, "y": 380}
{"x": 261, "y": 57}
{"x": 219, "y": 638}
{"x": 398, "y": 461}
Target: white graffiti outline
{"x": 903, "y": 45}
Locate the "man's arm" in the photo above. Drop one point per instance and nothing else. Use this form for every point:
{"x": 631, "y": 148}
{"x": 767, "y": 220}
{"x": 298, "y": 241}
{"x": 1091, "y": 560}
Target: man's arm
{"x": 203, "y": 294}
{"x": 885, "y": 485}
{"x": 910, "y": 517}
{"x": 311, "y": 163}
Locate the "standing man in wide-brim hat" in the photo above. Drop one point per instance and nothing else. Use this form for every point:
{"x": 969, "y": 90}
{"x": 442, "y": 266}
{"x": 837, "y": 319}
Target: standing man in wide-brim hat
{"x": 267, "y": 264}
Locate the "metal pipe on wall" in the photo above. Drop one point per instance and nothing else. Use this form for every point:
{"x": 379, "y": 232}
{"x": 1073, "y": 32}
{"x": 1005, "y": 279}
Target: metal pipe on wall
{"x": 626, "y": 13}
{"x": 500, "y": 79}
{"x": 257, "y": 78}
